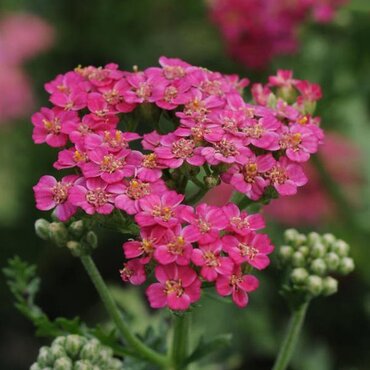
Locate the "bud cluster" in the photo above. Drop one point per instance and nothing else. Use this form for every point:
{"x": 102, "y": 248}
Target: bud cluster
{"x": 74, "y": 352}
{"x": 76, "y": 236}
{"x": 312, "y": 259}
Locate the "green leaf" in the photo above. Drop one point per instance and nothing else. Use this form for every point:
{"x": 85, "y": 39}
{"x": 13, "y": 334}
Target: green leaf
{"x": 205, "y": 348}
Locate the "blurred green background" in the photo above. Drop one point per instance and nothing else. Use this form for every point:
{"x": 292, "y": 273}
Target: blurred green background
{"x": 131, "y": 32}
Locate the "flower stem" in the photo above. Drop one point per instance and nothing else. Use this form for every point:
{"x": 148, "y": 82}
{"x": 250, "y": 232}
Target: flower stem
{"x": 180, "y": 341}
{"x": 291, "y": 337}
{"x": 133, "y": 341}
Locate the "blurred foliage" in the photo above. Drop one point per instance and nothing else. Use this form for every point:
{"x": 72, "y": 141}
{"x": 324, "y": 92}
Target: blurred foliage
{"x": 132, "y": 32}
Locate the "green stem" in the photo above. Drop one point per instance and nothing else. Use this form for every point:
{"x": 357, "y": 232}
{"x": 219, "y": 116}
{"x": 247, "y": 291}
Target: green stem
{"x": 132, "y": 340}
{"x": 197, "y": 182}
{"x": 291, "y": 337}
{"x": 180, "y": 342}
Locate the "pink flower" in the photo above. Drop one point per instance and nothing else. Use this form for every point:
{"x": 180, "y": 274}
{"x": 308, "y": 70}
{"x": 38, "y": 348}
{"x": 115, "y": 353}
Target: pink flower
{"x": 72, "y": 157}
{"x": 174, "y": 151}
{"x": 299, "y": 142}
{"x": 252, "y": 248}
{"x": 74, "y": 101}
{"x": 50, "y": 193}
{"x": 134, "y": 272}
{"x": 111, "y": 167}
{"x": 139, "y": 88}
{"x": 150, "y": 170}
{"x": 131, "y": 191}
{"x": 94, "y": 196}
{"x": 227, "y": 150}
{"x": 178, "y": 287}
{"x": 113, "y": 140}
{"x": 208, "y": 256}
{"x": 164, "y": 210}
{"x": 205, "y": 223}
{"x": 285, "y": 176}
{"x": 249, "y": 177}
{"x": 240, "y": 222}
{"x": 238, "y": 285}
{"x": 48, "y": 125}
{"x": 145, "y": 246}
{"x": 176, "y": 246}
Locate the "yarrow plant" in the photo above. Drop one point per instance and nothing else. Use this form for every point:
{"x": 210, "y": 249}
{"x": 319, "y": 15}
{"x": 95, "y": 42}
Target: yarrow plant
{"x": 148, "y": 180}
{"x": 255, "y": 31}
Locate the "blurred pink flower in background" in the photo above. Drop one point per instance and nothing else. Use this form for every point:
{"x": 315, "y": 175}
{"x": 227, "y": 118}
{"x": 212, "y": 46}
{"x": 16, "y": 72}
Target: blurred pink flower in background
{"x": 312, "y": 205}
{"x": 22, "y": 36}
{"x": 255, "y": 31}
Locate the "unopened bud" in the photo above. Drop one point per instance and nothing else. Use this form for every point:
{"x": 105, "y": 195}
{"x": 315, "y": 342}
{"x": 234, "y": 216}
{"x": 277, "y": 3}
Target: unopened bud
{"x": 58, "y": 233}
{"x": 313, "y": 238}
{"x": 300, "y": 240}
{"x": 332, "y": 261}
{"x": 328, "y": 239}
{"x": 76, "y": 228}
{"x": 211, "y": 181}
{"x": 346, "y": 265}
{"x": 91, "y": 239}
{"x": 75, "y": 248}
{"x": 318, "y": 266}
{"x": 341, "y": 248}
{"x": 45, "y": 358}
{"x": 57, "y": 350}
{"x": 290, "y": 235}
{"x": 82, "y": 365}
{"x": 42, "y": 228}
{"x": 286, "y": 253}
{"x": 299, "y": 275}
{"x": 90, "y": 351}
{"x": 304, "y": 250}
{"x": 36, "y": 366}
{"x": 329, "y": 286}
{"x": 314, "y": 285}
{"x": 63, "y": 363}
{"x": 318, "y": 250}
{"x": 298, "y": 259}
{"x": 73, "y": 344}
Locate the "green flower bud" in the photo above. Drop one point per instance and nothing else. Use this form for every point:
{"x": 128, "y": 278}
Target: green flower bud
{"x": 332, "y": 261}
{"x": 73, "y": 345}
{"x": 45, "y": 358}
{"x": 329, "y": 286}
{"x": 290, "y": 235}
{"x": 341, "y": 248}
{"x": 313, "y": 238}
{"x": 328, "y": 239}
{"x": 211, "y": 181}
{"x": 300, "y": 240}
{"x": 346, "y": 265}
{"x": 83, "y": 365}
{"x": 42, "y": 228}
{"x": 298, "y": 259}
{"x": 36, "y": 366}
{"x": 58, "y": 233}
{"x": 63, "y": 363}
{"x": 76, "y": 228}
{"x": 91, "y": 239}
{"x": 299, "y": 275}
{"x": 318, "y": 250}
{"x": 90, "y": 351}
{"x": 57, "y": 350}
{"x": 314, "y": 285}
{"x": 285, "y": 253}
{"x": 77, "y": 353}
{"x": 304, "y": 250}
{"x": 74, "y": 247}
{"x": 318, "y": 266}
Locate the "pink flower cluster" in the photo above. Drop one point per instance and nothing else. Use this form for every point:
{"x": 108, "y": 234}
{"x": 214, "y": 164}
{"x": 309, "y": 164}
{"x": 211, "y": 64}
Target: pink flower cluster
{"x": 257, "y": 30}
{"x": 251, "y": 146}
{"x": 22, "y": 36}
